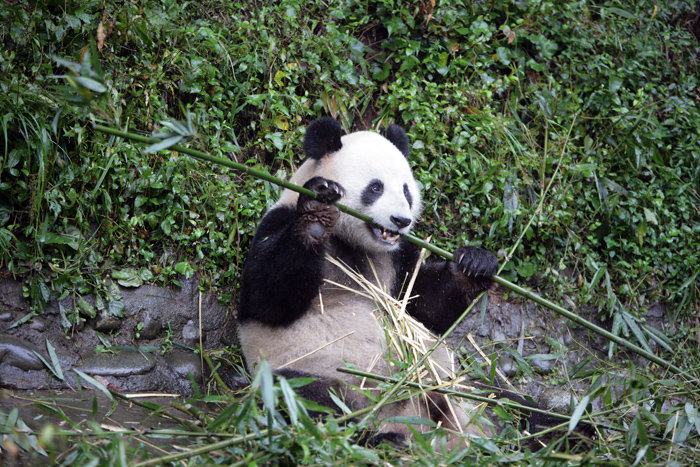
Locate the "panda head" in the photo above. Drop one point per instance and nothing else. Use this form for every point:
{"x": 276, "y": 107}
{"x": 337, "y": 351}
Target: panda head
{"x": 378, "y": 182}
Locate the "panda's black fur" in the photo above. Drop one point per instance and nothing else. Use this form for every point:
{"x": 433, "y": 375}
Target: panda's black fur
{"x": 290, "y": 312}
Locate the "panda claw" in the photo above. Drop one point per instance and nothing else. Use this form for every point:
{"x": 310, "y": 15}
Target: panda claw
{"x": 326, "y": 191}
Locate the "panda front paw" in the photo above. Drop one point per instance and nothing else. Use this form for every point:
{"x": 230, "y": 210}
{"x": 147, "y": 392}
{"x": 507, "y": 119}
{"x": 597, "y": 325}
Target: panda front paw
{"x": 475, "y": 262}
{"x": 327, "y": 191}
{"x": 318, "y": 215}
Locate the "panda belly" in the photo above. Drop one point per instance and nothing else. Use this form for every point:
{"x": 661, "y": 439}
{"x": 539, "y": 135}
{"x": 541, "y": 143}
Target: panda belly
{"x": 339, "y": 328}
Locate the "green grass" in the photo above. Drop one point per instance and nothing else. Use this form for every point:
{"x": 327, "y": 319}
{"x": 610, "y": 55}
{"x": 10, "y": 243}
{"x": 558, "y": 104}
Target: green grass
{"x": 572, "y": 124}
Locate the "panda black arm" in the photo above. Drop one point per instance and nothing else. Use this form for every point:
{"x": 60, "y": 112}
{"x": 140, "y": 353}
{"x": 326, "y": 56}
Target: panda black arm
{"x": 444, "y": 289}
{"x": 283, "y": 271}
{"x": 281, "y": 275}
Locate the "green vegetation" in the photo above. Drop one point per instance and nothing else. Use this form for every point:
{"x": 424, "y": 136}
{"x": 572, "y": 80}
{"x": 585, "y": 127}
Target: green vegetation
{"x": 581, "y": 116}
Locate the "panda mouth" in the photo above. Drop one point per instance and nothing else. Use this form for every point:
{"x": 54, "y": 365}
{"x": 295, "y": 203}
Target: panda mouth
{"x": 384, "y": 235}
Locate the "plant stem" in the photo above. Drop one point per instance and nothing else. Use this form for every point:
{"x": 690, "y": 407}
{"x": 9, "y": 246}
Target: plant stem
{"x": 201, "y": 450}
{"x": 261, "y": 174}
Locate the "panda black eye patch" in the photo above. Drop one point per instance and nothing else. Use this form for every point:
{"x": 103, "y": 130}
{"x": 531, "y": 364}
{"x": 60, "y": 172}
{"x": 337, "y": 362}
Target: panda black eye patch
{"x": 408, "y": 196}
{"x": 372, "y": 192}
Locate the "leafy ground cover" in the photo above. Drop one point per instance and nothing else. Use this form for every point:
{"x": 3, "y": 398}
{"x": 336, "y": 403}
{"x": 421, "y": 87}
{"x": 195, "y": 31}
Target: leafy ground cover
{"x": 573, "y": 124}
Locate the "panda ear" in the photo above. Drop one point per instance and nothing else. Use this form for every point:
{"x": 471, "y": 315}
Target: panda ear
{"x": 398, "y": 137}
{"x": 322, "y": 137}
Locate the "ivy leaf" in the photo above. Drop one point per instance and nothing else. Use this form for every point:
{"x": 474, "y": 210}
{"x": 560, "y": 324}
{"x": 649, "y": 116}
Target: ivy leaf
{"x": 115, "y": 302}
{"x": 650, "y": 216}
{"x": 128, "y": 277}
{"x": 86, "y": 309}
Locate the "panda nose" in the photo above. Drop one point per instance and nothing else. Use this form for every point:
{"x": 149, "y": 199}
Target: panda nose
{"x": 400, "y": 222}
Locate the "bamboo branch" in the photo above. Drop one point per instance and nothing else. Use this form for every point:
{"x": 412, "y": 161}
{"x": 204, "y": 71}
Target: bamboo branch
{"x": 202, "y": 449}
{"x": 261, "y": 174}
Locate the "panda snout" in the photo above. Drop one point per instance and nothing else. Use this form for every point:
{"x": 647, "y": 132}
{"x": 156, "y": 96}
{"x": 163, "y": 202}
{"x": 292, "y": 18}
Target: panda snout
{"x": 400, "y": 222}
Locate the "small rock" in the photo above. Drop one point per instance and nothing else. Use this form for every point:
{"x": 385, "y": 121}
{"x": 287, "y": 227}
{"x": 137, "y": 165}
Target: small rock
{"x": 38, "y": 324}
{"x": 497, "y": 335}
{"x": 190, "y": 332}
{"x": 19, "y": 353}
{"x": 544, "y": 365}
{"x": 124, "y": 363}
{"x": 568, "y": 338}
{"x": 482, "y": 331}
{"x": 185, "y": 363}
{"x": 507, "y": 365}
{"x": 6, "y": 316}
{"x": 151, "y": 326}
{"x": 107, "y": 323}
{"x": 657, "y": 311}
{"x": 557, "y": 400}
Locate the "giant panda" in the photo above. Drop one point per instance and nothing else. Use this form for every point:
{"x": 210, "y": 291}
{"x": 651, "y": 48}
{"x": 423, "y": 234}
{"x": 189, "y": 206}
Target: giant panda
{"x": 292, "y": 312}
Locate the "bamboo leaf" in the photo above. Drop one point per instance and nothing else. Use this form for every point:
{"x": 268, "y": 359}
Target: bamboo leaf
{"x": 693, "y": 415}
{"x": 420, "y": 439}
{"x": 165, "y": 144}
{"x": 46, "y": 363}
{"x": 620, "y": 12}
{"x": 636, "y": 330}
{"x": 640, "y": 454}
{"x": 659, "y": 337}
{"x": 596, "y": 277}
{"x": 578, "y": 367}
{"x": 95, "y": 383}
{"x": 339, "y": 402}
{"x": 223, "y": 418}
{"x": 617, "y": 324}
{"x": 54, "y": 359}
{"x": 291, "y": 400}
{"x": 175, "y": 126}
{"x": 492, "y": 370}
{"x": 578, "y": 413}
{"x": 90, "y": 83}
{"x": 267, "y": 386}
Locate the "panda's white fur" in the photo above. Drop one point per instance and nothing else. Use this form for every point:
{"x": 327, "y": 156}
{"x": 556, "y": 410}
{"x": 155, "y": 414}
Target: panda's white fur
{"x": 291, "y": 312}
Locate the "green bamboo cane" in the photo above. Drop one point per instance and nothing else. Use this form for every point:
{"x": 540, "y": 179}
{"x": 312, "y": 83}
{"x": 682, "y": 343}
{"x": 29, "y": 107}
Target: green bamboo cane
{"x": 261, "y": 174}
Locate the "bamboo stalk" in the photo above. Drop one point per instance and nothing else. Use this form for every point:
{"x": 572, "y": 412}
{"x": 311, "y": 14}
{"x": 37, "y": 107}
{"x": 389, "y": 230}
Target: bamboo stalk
{"x": 202, "y": 449}
{"x": 261, "y": 174}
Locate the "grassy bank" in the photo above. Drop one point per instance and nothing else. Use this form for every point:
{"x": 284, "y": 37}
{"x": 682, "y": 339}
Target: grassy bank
{"x": 582, "y": 116}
